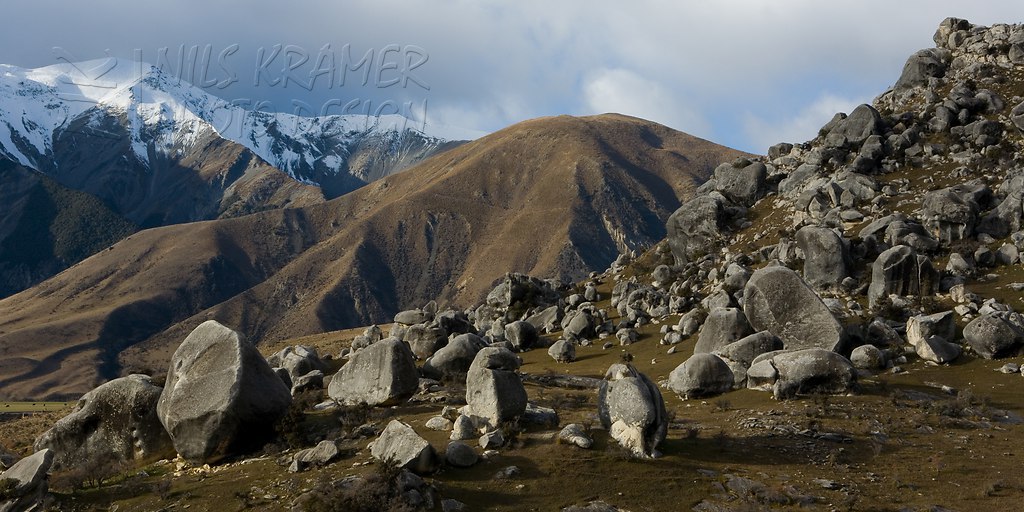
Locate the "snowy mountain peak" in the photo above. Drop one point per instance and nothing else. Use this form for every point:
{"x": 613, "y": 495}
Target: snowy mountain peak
{"x": 167, "y": 116}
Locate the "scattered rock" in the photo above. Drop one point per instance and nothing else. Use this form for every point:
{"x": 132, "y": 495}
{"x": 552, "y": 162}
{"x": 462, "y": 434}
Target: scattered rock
{"x": 320, "y": 455}
{"x": 439, "y": 423}
{"x": 492, "y": 440}
{"x": 701, "y": 375}
{"x": 575, "y": 434}
{"x": 400, "y": 444}
{"x": 460, "y": 455}
{"x": 563, "y": 351}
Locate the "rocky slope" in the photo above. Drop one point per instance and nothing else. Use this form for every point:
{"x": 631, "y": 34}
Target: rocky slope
{"x": 557, "y": 197}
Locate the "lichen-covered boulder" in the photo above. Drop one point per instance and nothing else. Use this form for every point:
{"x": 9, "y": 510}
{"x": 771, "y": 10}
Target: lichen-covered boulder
{"x": 116, "y": 421}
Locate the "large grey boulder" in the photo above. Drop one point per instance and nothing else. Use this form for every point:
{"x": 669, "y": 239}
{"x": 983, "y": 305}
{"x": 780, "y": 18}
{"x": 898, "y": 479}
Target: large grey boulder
{"x": 30, "y": 479}
{"x": 745, "y": 350}
{"x": 807, "y": 371}
{"x": 563, "y": 351}
{"x": 221, "y": 396}
{"x": 901, "y": 271}
{"x": 453, "y": 360}
{"x": 549, "y": 320}
{"x": 825, "y": 256}
{"x": 777, "y": 300}
{"x": 922, "y": 327}
{"x": 742, "y": 182}
{"x": 494, "y": 391}
{"x": 401, "y": 445}
{"x": 722, "y": 327}
{"x": 411, "y": 317}
{"x": 868, "y": 357}
{"x": 697, "y": 227}
{"x": 116, "y": 421}
{"x": 1005, "y": 218}
{"x": 632, "y": 409}
{"x": 424, "y": 339}
{"x": 937, "y": 350}
{"x": 522, "y": 335}
{"x": 951, "y": 213}
{"x": 379, "y": 375}
{"x": 460, "y": 455}
{"x": 701, "y": 375}
{"x": 854, "y": 129}
{"x": 993, "y": 337}
{"x": 739, "y": 355}
{"x": 925, "y": 64}
{"x": 578, "y": 325}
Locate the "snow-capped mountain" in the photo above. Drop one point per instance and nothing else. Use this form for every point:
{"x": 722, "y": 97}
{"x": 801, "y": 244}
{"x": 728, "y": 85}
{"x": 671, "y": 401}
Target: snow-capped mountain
{"x": 75, "y": 122}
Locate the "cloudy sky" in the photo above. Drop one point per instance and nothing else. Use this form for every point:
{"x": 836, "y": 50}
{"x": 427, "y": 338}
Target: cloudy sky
{"x": 742, "y": 73}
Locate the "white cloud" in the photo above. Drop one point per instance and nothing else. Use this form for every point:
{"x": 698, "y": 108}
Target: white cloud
{"x": 801, "y": 127}
{"x": 703, "y": 67}
{"x": 625, "y": 92}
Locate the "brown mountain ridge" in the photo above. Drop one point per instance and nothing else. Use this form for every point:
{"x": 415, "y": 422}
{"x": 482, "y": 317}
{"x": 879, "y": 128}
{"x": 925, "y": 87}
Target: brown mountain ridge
{"x": 553, "y": 197}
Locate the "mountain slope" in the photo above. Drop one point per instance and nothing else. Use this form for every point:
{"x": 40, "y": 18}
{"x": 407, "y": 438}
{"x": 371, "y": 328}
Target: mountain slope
{"x": 556, "y": 197}
{"x": 159, "y": 151}
{"x": 45, "y": 227}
